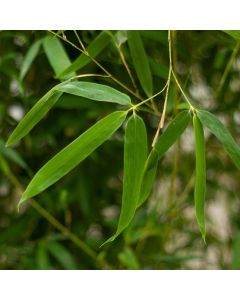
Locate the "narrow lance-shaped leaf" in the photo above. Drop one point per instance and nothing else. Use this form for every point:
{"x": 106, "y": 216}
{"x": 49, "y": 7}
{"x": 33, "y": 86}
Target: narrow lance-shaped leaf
{"x": 94, "y": 91}
{"x": 73, "y": 154}
{"x": 165, "y": 141}
{"x": 135, "y": 154}
{"x": 200, "y": 180}
{"x": 96, "y": 46}
{"x": 38, "y": 111}
{"x": 89, "y": 90}
{"x": 140, "y": 61}
{"x": 57, "y": 56}
{"x": 29, "y": 58}
{"x": 222, "y": 134}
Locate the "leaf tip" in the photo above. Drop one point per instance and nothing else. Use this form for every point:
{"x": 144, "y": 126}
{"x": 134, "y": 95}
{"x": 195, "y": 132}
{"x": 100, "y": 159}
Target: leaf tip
{"x": 111, "y": 239}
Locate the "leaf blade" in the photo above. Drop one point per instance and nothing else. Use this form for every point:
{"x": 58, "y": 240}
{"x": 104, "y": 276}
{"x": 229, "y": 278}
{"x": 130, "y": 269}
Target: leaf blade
{"x": 73, "y": 154}
{"x": 222, "y": 134}
{"x": 57, "y": 56}
{"x": 95, "y": 91}
{"x": 135, "y": 154}
{"x": 200, "y": 181}
{"x": 34, "y": 115}
{"x": 165, "y": 141}
{"x": 140, "y": 61}
{"x": 29, "y": 58}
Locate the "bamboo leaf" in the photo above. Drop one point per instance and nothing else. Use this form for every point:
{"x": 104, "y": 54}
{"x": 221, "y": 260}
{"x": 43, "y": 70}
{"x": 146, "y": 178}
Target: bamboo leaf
{"x": 73, "y": 154}
{"x": 140, "y": 61}
{"x": 96, "y": 47}
{"x": 165, "y": 141}
{"x": 95, "y": 91}
{"x": 29, "y": 58}
{"x": 200, "y": 181}
{"x": 222, "y": 134}
{"x": 135, "y": 154}
{"x": 57, "y": 56}
{"x": 38, "y": 111}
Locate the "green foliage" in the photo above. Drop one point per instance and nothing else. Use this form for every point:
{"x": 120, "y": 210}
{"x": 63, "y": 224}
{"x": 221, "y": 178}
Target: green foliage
{"x": 135, "y": 154}
{"x": 94, "y": 91}
{"x": 200, "y": 181}
{"x": 138, "y": 184}
{"x": 222, "y": 134}
{"x": 73, "y": 154}
{"x": 140, "y": 61}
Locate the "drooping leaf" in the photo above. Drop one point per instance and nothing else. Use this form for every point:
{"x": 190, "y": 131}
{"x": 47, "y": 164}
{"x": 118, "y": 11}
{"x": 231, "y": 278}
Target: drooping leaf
{"x": 57, "y": 56}
{"x": 200, "y": 178}
{"x": 29, "y": 58}
{"x": 140, "y": 61}
{"x": 165, "y": 141}
{"x": 73, "y": 154}
{"x": 62, "y": 255}
{"x": 38, "y": 111}
{"x": 95, "y": 47}
{"x": 222, "y": 134}
{"x": 94, "y": 91}
{"x": 135, "y": 154}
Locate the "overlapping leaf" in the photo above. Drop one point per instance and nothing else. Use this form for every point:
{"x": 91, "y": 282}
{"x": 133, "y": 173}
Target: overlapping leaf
{"x": 165, "y": 141}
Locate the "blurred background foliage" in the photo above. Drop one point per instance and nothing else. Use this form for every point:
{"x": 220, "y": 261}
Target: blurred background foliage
{"x": 86, "y": 202}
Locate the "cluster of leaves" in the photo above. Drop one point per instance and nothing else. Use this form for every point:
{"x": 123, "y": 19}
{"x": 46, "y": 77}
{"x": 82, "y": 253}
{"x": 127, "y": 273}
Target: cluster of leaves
{"x": 140, "y": 165}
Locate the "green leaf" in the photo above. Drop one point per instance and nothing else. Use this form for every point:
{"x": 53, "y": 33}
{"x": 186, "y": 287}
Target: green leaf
{"x": 234, "y": 33}
{"x": 222, "y": 134}
{"x": 200, "y": 180}
{"x": 29, "y": 58}
{"x": 95, "y": 91}
{"x": 12, "y": 155}
{"x": 57, "y": 56}
{"x": 149, "y": 174}
{"x": 38, "y": 111}
{"x": 165, "y": 141}
{"x": 140, "y": 61}
{"x": 73, "y": 154}
{"x": 135, "y": 154}
{"x": 96, "y": 46}
{"x": 62, "y": 255}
